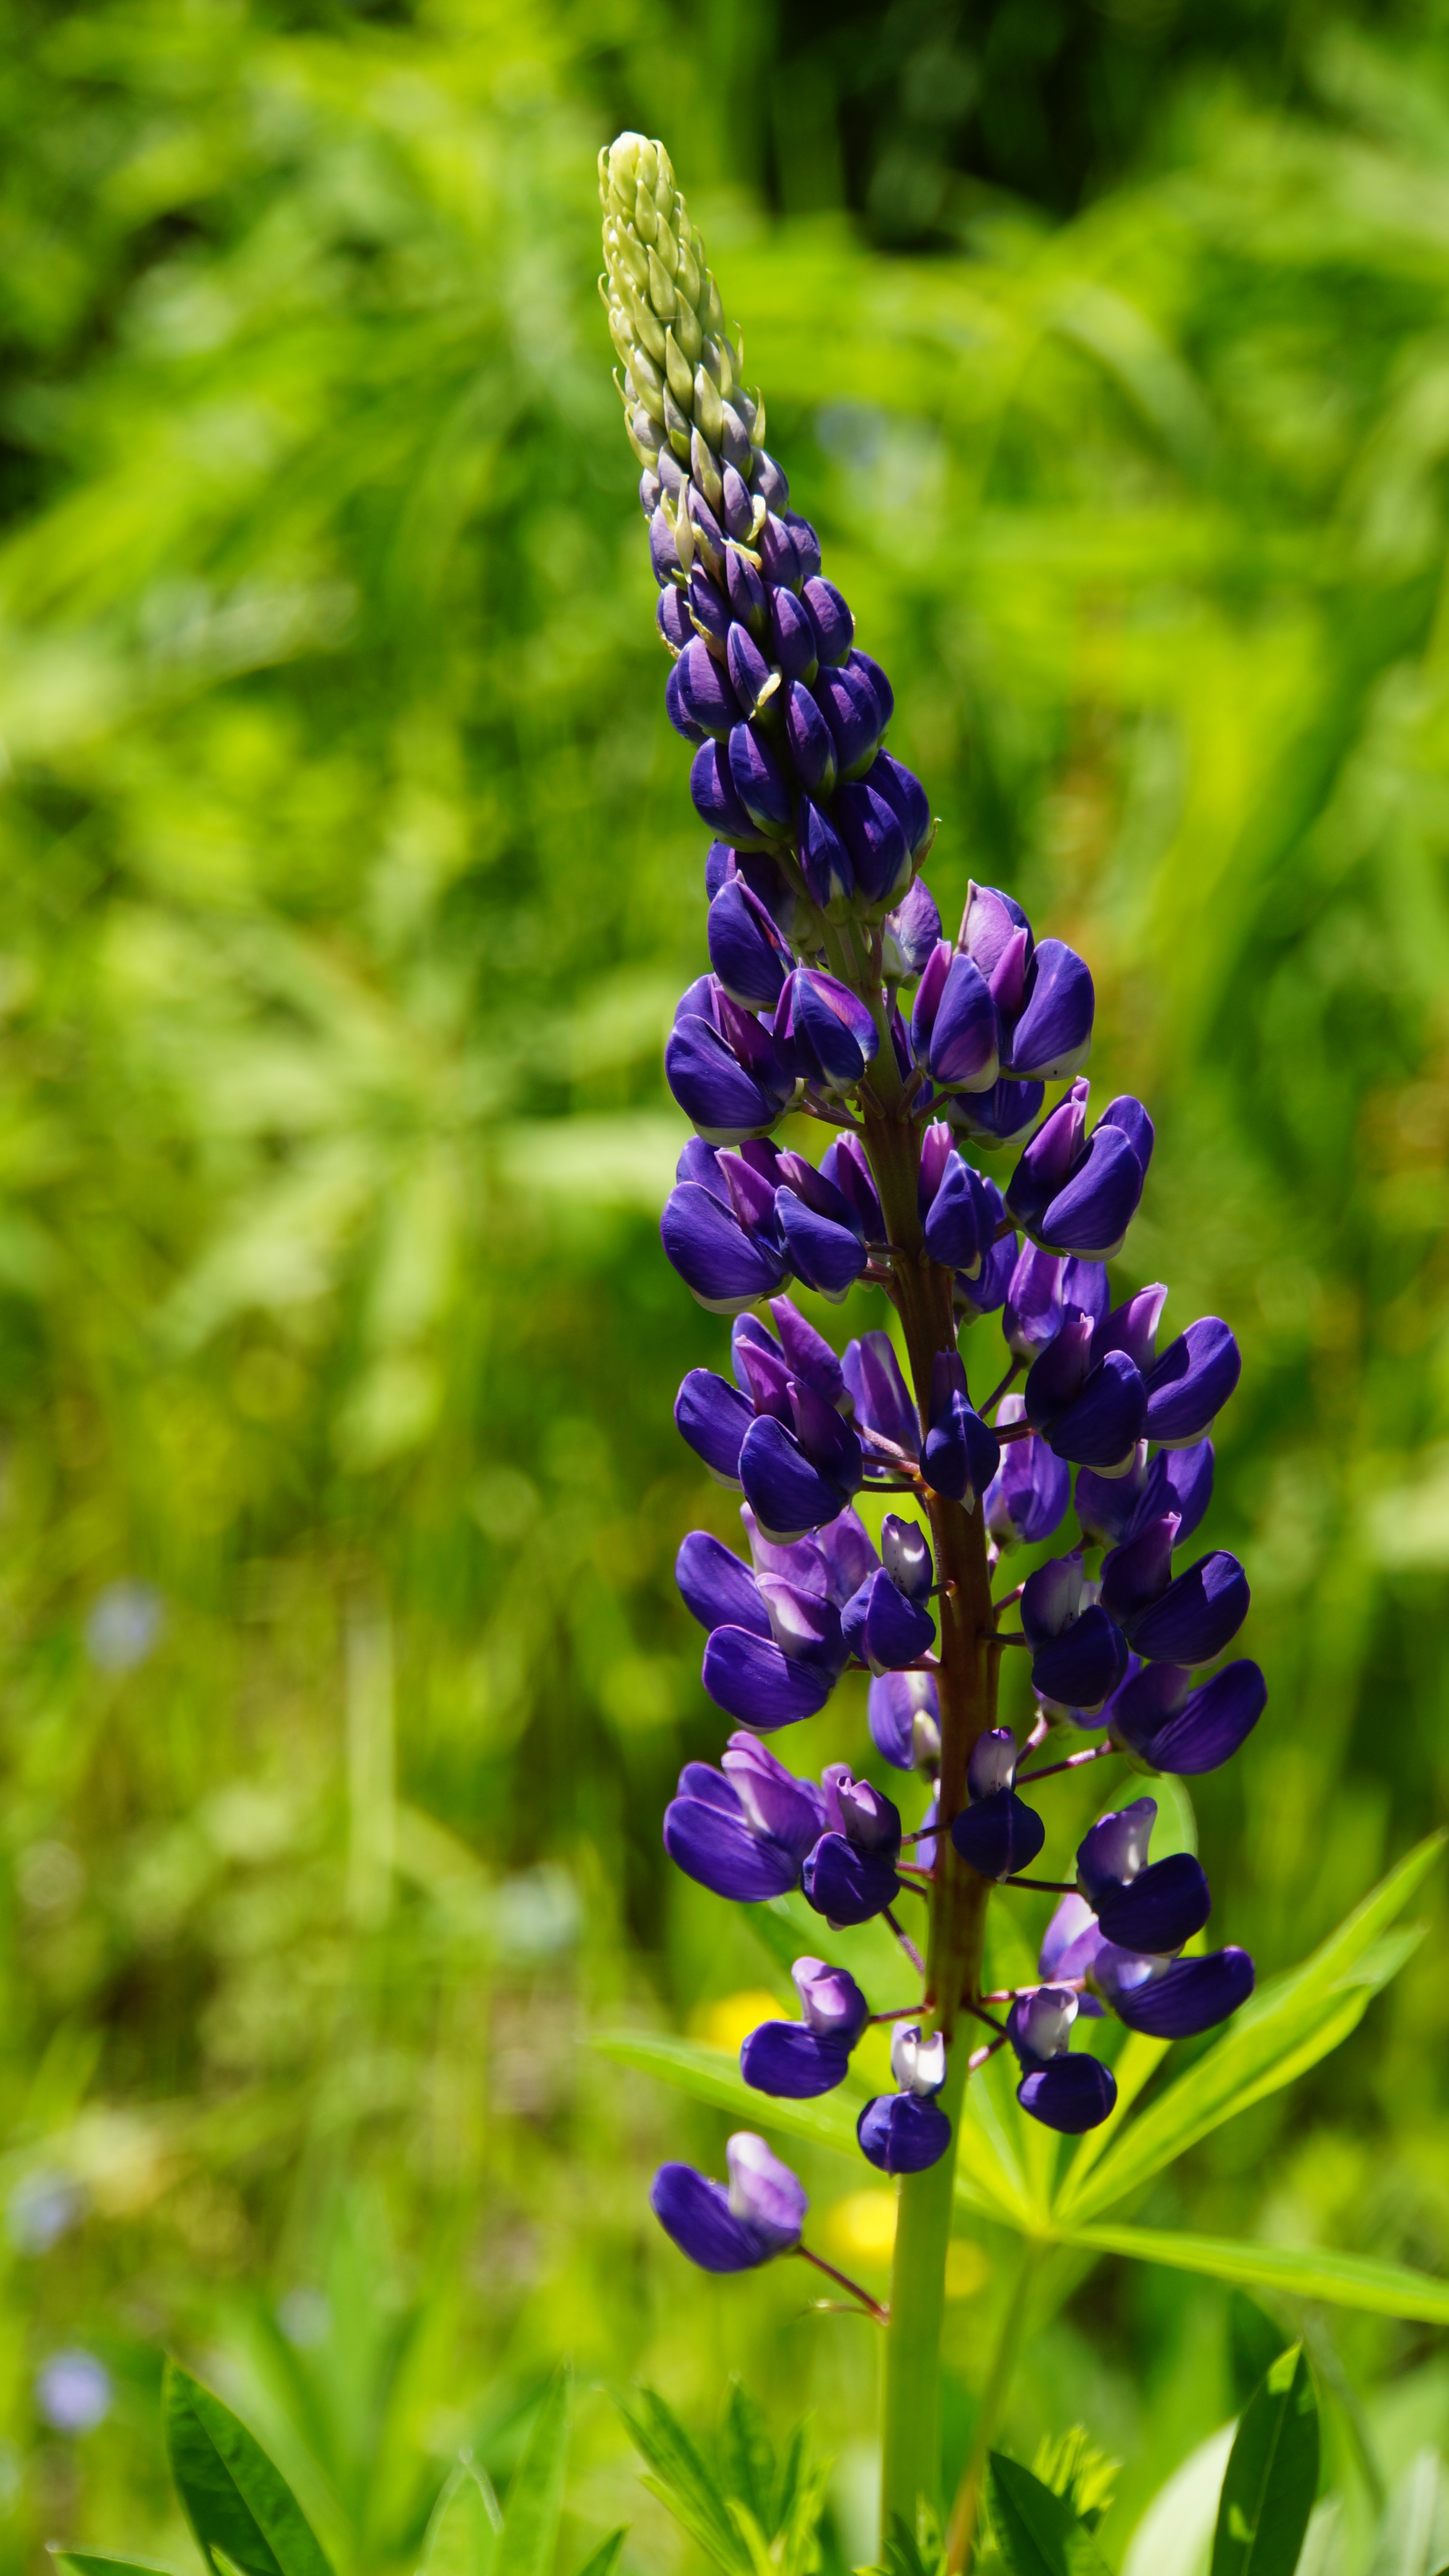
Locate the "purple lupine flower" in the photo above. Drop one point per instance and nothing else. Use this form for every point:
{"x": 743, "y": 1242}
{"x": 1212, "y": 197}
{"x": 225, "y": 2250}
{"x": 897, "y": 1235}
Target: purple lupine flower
{"x": 909, "y": 934}
{"x": 1140, "y": 1905}
{"x": 850, "y": 1873}
{"x": 819, "y": 1228}
{"x": 997, "y": 1833}
{"x": 907, "y": 2131}
{"x": 775, "y": 1647}
{"x": 1164, "y": 1997}
{"x": 1065, "y": 2092}
{"x": 823, "y": 1034}
{"x": 909, "y": 803}
{"x": 796, "y": 1478}
{"x": 1078, "y": 1654}
{"x": 1077, "y": 1194}
{"x": 961, "y": 1218}
{"x": 903, "y": 1711}
{"x": 723, "y": 1067}
{"x": 1182, "y": 1619}
{"x": 1028, "y": 1494}
{"x": 1090, "y": 1415}
{"x": 1000, "y": 1119}
{"x": 735, "y": 2229}
{"x": 960, "y": 1453}
{"x": 1192, "y": 1381}
{"x": 884, "y": 1627}
{"x": 1156, "y": 1714}
{"x": 743, "y": 1831}
{"x": 796, "y": 2060}
{"x": 1045, "y": 1288}
{"x": 844, "y": 1163}
{"x": 883, "y": 1403}
{"x": 875, "y": 837}
{"x": 1115, "y": 1509}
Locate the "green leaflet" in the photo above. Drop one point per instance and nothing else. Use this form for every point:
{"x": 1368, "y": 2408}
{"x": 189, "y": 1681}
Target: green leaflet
{"x": 1272, "y": 2475}
{"x": 530, "y": 2521}
{"x": 1347, "y": 2280}
{"x": 1289, "y": 2024}
{"x": 606, "y": 2557}
{"x": 234, "y": 2500}
{"x": 104, "y": 2562}
{"x": 464, "y": 2525}
{"x": 1036, "y": 2530}
{"x": 684, "y": 2481}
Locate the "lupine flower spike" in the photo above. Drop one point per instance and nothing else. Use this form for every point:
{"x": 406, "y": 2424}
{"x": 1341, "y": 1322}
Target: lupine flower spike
{"x": 968, "y": 1173}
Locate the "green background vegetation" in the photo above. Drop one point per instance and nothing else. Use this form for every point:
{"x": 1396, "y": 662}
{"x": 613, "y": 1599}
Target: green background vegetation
{"x": 347, "y": 876}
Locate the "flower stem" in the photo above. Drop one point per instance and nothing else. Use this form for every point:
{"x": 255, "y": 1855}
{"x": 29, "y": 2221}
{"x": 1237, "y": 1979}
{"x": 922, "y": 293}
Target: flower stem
{"x": 843, "y": 2281}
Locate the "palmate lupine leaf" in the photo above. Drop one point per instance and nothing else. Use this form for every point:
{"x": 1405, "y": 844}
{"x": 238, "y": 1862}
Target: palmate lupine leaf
{"x": 684, "y": 2481}
{"x": 1291, "y": 2022}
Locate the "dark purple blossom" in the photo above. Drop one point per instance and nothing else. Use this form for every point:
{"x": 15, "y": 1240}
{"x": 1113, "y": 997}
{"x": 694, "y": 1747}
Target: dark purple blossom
{"x": 732, "y": 2229}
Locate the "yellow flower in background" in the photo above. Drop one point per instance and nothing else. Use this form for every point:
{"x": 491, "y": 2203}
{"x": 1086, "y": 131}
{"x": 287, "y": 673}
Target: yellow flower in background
{"x": 728, "y": 2021}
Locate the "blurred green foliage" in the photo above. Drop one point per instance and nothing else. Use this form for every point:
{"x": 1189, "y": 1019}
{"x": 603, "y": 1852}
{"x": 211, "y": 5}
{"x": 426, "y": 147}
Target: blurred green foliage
{"x": 348, "y": 877}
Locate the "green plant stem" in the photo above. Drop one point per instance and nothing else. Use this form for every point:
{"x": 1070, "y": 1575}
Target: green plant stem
{"x": 966, "y": 2511}
{"x": 966, "y": 1682}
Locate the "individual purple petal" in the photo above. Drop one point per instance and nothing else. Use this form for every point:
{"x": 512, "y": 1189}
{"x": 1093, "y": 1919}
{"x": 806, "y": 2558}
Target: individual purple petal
{"x": 959, "y": 1225}
{"x": 1115, "y": 1848}
{"x": 909, "y": 934}
{"x": 706, "y": 696}
{"x": 754, "y": 1681}
{"x": 992, "y": 1763}
{"x": 792, "y": 635}
{"x": 779, "y": 561}
{"x": 907, "y": 800}
{"x": 1138, "y": 1573}
{"x": 989, "y": 926}
{"x": 717, "y": 1588}
{"x": 962, "y": 1054}
{"x": 900, "y": 2133}
{"x": 828, "y": 1257}
{"x": 708, "y": 609}
{"x": 883, "y": 1402}
{"x": 1081, "y": 1668}
{"x": 882, "y": 1628}
{"x": 1182, "y": 1731}
{"x": 847, "y": 1553}
{"x": 1198, "y": 1614}
{"x": 905, "y": 1552}
{"x": 1132, "y": 1327}
{"x": 848, "y": 1885}
{"x": 750, "y": 675}
{"x": 671, "y": 615}
{"x": 848, "y": 703}
{"x": 792, "y": 2063}
{"x": 998, "y": 1835}
{"x": 885, "y": 696}
{"x": 715, "y": 1847}
{"x": 831, "y": 618}
{"x": 745, "y": 949}
{"x": 774, "y": 1800}
{"x": 844, "y": 1163}
{"x": 1053, "y": 1037}
{"x": 764, "y": 2192}
{"x": 1102, "y": 1427}
{"x": 903, "y": 1711}
{"x": 804, "y": 1623}
{"x": 725, "y": 1101}
{"x": 812, "y": 751}
{"x": 716, "y": 799}
{"x": 873, "y": 835}
{"x": 830, "y": 2000}
{"x": 1090, "y": 1216}
{"x": 982, "y": 1295}
{"x": 761, "y": 1368}
{"x": 1130, "y": 1116}
{"x": 1051, "y": 1597}
{"x": 1192, "y": 1996}
{"x": 808, "y": 1353}
{"x": 1073, "y": 1939}
{"x": 719, "y": 1263}
{"x": 1029, "y": 1492}
{"x": 787, "y": 1494}
{"x": 1040, "y": 2025}
{"x": 696, "y": 2214}
{"x": 1046, "y": 1165}
{"x": 1070, "y": 2094}
{"x": 1159, "y": 1909}
{"x": 713, "y": 1417}
{"x": 676, "y": 710}
{"x": 1192, "y": 1382}
{"x": 748, "y": 597}
{"x": 960, "y": 1454}
{"x": 759, "y": 781}
{"x": 1005, "y": 1115}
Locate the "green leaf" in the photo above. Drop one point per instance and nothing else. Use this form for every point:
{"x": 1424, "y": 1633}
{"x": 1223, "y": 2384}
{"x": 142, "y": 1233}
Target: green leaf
{"x": 1272, "y": 2475}
{"x": 1038, "y": 2533}
{"x": 535, "y": 2498}
{"x": 464, "y": 2524}
{"x": 1289, "y": 2024}
{"x": 683, "y": 2481}
{"x": 606, "y": 2557}
{"x": 234, "y": 2499}
{"x": 1346, "y": 2280}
